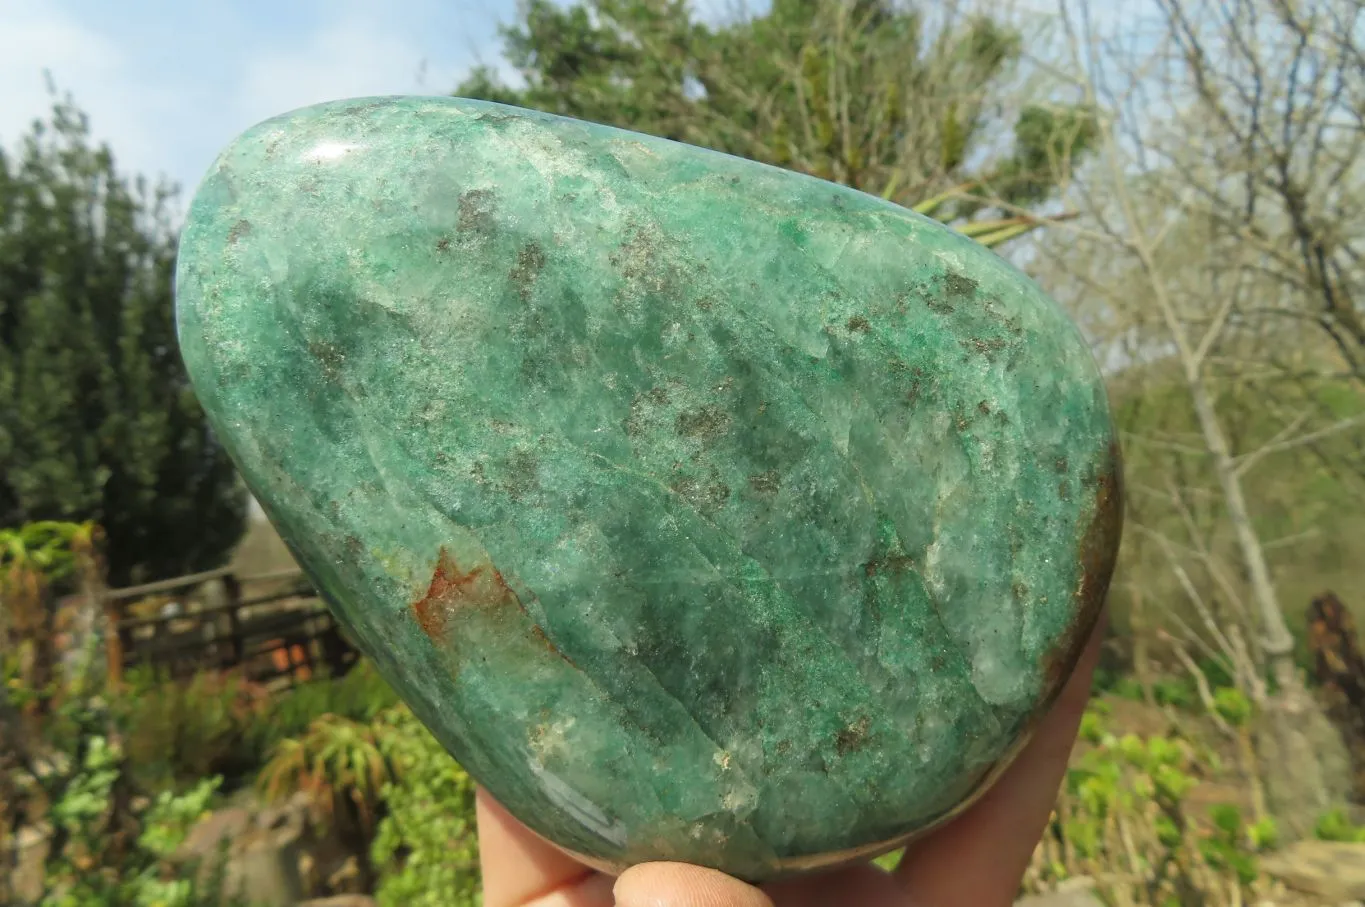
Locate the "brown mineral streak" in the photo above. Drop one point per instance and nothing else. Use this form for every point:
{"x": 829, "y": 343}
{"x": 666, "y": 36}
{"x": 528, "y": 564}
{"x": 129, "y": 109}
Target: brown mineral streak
{"x": 1097, "y": 553}
{"x": 891, "y": 563}
{"x": 539, "y": 635}
{"x": 453, "y": 590}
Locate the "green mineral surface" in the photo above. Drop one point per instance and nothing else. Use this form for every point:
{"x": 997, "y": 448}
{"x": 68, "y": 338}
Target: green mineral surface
{"x": 704, "y": 511}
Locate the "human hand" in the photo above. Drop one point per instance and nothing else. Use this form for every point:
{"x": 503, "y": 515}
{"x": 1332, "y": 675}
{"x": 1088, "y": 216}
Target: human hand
{"x": 976, "y": 860}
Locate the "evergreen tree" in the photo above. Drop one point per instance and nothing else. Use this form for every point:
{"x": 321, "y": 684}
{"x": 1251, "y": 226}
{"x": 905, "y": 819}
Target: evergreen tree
{"x": 97, "y": 419}
{"x": 867, "y": 93}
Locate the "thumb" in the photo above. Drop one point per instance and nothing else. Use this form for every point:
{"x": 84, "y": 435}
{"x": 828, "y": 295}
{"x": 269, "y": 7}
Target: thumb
{"x": 684, "y": 885}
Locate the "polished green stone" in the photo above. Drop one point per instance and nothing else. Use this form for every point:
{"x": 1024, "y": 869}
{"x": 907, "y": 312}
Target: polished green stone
{"x": 703, "y": 510}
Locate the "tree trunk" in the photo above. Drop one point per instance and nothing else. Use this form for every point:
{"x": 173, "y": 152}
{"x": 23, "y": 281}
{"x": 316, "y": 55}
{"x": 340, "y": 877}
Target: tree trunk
{"x": 1278, "y": 642}
{"x": 90, "y": 634}
{"x": 1339, "y": 667}
{"x": 1303, "y": 760}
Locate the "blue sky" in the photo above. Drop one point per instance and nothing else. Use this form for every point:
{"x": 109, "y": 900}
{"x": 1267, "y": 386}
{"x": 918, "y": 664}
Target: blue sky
{"x": 169, "y": 82}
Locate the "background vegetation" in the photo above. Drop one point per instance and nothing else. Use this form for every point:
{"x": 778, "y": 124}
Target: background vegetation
{"x": 98, "y": 421}
{"x": 1186, "y": 180}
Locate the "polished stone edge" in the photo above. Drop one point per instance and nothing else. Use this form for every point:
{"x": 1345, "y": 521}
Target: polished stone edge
{"x": 828, "y": 862}
{"x": 1098, "y": 551}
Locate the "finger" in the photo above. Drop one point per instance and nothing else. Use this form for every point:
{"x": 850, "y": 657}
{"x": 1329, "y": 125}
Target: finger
{"x": 978, "y": 859}
{"x": 684, "y": 885}
{"x": 521, "y": 869}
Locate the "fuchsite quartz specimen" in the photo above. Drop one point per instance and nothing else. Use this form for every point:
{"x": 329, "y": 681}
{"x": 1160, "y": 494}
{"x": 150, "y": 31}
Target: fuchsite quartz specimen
{"x": 704, "y": 511}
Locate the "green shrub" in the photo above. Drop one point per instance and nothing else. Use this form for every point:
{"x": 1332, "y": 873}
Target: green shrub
{"x": 94, "y": 865}
{"x": 1177, "y": 692}
{"x": 1226, "y": 847}
{"x": 1128, "y": 688}
{"x": 889, "y": 861}
{"x": 113, "y": 837}
{"x": 178, "y": 732}
{"x": 1233, "y": 706}
{"x": 1335, "y": 825}
{"x": 218, "y": 724}
{"x": 360, "y": 695}
{"x": 1121, "y": 818}
{"x": 426, "y": 851}
{"x": 342, "y": 765}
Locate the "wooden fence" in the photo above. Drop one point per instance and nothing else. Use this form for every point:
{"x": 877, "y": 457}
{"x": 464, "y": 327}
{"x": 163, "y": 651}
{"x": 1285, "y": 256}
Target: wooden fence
{"x": 272, "y": 627}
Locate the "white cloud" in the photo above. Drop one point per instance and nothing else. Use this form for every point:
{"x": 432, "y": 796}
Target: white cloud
{"x": 168, "y": 87}
{"x": 348, "y": 58}
{"x": 35, "y": 37}
{"x": 1103, "y": 15}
